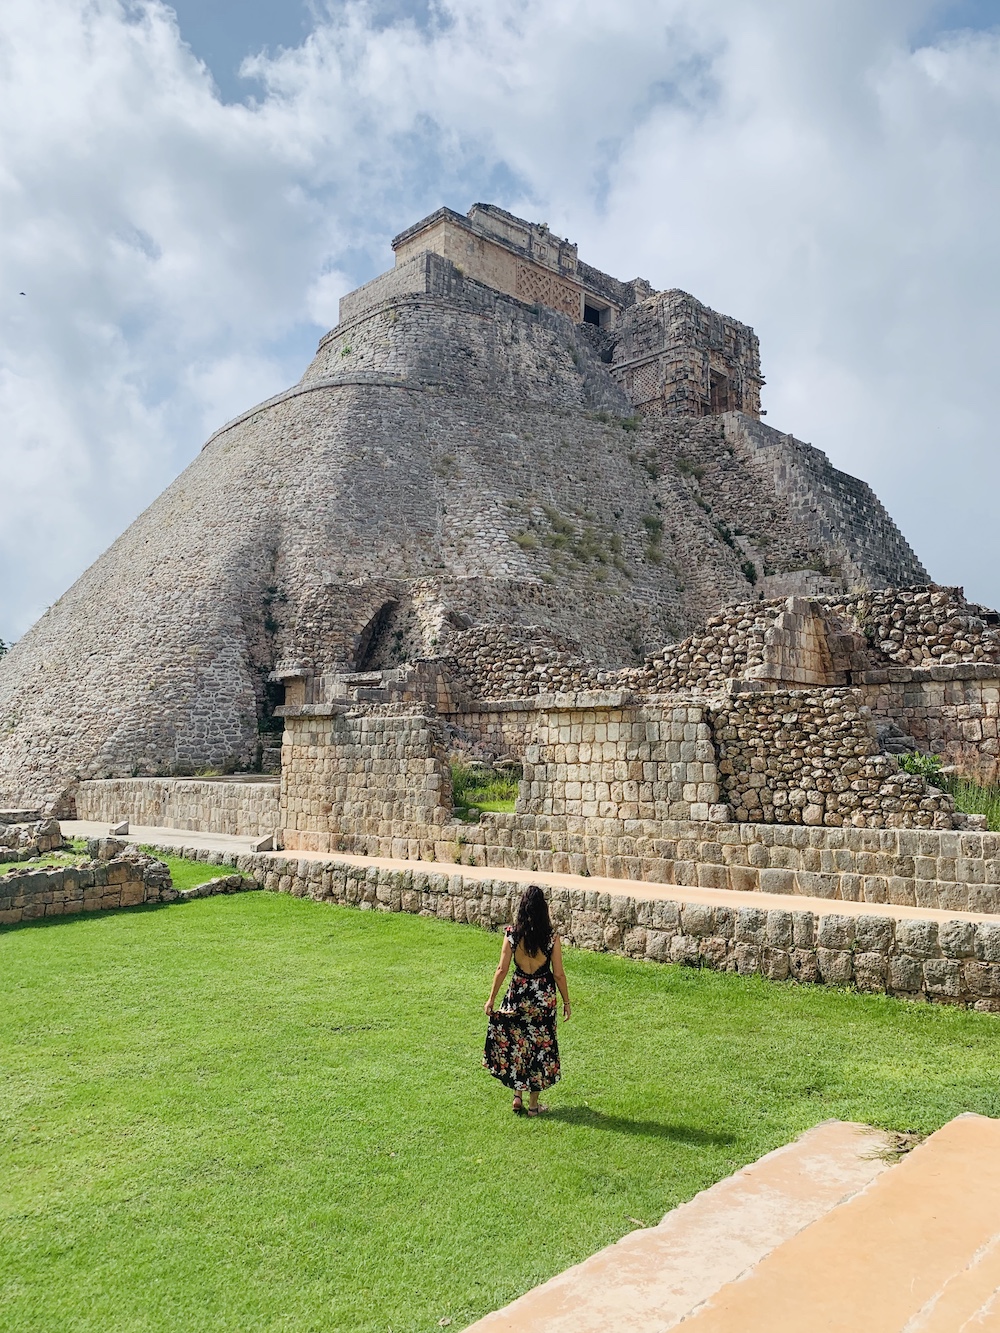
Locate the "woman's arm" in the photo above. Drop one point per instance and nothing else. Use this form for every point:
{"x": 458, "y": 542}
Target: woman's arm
{"x": 503, "y": 967}
{"x": 560, "y": 976}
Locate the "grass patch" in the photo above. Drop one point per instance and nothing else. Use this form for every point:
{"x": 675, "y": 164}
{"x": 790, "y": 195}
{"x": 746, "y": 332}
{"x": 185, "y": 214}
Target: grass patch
{"x": 261, "y": 1113}
{"x": 972, "y": 798}
{"x": 474, "y": 789}
{"x": 187, "y": 874}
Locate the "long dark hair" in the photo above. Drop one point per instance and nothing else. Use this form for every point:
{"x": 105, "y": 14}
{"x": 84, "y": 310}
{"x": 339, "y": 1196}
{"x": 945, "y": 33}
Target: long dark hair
{"x": 533, "y": 925}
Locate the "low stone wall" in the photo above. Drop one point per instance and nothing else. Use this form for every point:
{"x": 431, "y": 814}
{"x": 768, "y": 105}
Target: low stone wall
{"x": 231, "y": 806}
{"x": 22, "y": 842}
{"x": 952, "y": 870}
{"x": 951, "y": 962}
{"x": 124, "y": 881}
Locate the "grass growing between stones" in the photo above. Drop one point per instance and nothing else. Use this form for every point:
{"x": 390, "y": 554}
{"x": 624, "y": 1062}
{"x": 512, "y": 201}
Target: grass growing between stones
{"x": 263, "y": 1113}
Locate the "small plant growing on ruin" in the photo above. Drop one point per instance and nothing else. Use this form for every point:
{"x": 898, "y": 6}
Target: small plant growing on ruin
{"x": 688, "y": 469}
{"x": 724, "y": 533}
{"x": 749, "y": 572}
{"x": 972, "y": 798}
{"x": 924, "y": 765}
{"x": 630, "y": 424}
{"x": 528, "y": 541}
{"x": 345, "y": 351}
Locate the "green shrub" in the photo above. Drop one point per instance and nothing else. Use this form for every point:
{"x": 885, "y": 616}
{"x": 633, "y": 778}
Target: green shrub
{"x": 925, "y": 765}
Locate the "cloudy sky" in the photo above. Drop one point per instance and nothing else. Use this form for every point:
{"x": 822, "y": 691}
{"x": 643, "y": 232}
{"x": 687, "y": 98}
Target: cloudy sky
{"x": 186, "y": 191}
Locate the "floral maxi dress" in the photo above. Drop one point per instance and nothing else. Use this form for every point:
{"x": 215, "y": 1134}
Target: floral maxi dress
{"x": 521, "y": 1046}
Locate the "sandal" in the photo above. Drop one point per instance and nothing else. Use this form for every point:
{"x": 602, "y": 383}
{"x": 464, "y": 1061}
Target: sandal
{"x": 538, "y": 1110}
{"x": 517, "y": 1105}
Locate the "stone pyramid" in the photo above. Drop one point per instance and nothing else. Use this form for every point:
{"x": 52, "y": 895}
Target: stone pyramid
{"x": 494, "y": 434}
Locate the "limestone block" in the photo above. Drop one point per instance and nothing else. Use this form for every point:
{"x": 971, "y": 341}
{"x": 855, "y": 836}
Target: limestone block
{"x": 943, "y": 976}
{"x": 871, "y": 971}
{"x": 906, "y": 973}
{"x": 747, "y": 958}
{"x": 835, "y": 966}
{"x": 917, "y": 938}
{"x": 836, "y": 932}
{"x": 957, "y": 939}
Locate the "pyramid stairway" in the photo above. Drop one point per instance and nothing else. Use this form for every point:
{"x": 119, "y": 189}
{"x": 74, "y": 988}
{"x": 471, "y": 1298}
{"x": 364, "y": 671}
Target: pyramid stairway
{"x": 824, "y": 1234}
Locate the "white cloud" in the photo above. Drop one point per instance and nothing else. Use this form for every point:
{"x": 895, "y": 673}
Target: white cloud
{"x": 801, "y": 167}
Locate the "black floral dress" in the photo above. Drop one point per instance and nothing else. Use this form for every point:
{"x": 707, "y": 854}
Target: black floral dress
{"x": 521, "y": 1046}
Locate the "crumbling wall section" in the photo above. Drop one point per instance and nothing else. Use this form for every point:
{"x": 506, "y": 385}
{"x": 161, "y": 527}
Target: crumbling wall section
{"x": 812, "y": 757}
{"x": 926, "y": 625}
{"x": 121, "y": 880}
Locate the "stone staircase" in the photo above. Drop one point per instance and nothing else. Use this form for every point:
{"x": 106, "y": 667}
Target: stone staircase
{"x": 822, "y": 1234}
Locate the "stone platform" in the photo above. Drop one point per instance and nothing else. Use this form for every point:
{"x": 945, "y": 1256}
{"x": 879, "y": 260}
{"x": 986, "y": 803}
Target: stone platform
{"x": 923, "y": 953}
{"x": 823, "y": 1234}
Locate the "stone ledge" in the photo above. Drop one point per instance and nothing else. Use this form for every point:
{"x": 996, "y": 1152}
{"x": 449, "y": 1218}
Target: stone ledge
{"x": 927, "y": 955}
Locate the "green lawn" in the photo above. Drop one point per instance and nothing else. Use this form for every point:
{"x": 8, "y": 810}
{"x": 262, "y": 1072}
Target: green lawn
{"x": 257, "y": 1112}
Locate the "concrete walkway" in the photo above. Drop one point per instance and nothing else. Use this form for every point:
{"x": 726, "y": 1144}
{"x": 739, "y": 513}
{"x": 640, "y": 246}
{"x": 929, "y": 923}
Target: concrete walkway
{"x": 161, "y": 837}
{"x": 619, "y": 888}
{"x": 917, "y": 1252}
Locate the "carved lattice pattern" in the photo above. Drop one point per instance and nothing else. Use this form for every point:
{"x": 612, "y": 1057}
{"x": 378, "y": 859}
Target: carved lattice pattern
{"x": 536, "y": 286}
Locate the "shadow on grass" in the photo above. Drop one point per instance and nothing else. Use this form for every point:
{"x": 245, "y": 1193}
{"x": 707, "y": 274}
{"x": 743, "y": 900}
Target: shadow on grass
{"x": 587, "y": 1118}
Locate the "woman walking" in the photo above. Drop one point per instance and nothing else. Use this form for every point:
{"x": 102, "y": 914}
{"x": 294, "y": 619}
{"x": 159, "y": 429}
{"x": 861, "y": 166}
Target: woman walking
{"x": 521, "y": 1046}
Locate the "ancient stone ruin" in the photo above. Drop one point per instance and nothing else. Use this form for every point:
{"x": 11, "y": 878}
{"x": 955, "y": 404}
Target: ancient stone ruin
{"x": 496, "y": 440}
{"x": 520, "y": 511}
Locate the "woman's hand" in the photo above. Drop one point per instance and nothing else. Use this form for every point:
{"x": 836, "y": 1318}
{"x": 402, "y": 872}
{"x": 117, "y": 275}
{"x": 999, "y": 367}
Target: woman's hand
{"x": 488, "y": 1008}
{"x": 567, "y": 1011}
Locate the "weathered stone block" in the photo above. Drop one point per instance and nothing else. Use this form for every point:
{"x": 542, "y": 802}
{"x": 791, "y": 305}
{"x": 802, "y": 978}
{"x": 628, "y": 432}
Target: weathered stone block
{"x": 906, "y": 974}
{"x": 916, "y": 937}
{"x": 835, "y": 966}
{"x": 836, "y": 932}
{"x": 871, "y": 971}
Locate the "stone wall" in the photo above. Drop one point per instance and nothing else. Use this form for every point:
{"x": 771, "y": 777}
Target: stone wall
{"x": 950, "y": 710}
{"x": 367, "y": 776}
{"x": 615, "y": 760}
{"x": 812, "y": 757}
{"x": 951, "y": 961}
{"x": 362, "y": 773}
{"x": 953, "y": 870}
{"x": 22, "y": 842}
{"x": 125, "y": 880}
{"x": 235, "y": 807}
{"x": 923, "y": 626}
